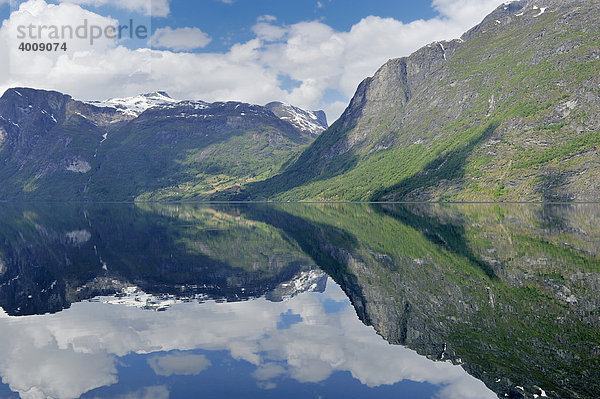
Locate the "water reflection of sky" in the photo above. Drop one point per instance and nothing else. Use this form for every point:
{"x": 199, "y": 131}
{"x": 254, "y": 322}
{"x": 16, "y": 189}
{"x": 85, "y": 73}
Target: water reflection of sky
{"x": 312, "y": 345}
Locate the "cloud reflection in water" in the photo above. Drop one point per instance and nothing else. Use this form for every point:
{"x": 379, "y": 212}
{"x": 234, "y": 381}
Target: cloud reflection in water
{"x": 72, "y": 352}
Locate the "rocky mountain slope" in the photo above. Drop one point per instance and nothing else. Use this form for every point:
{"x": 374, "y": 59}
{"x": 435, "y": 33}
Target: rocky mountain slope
{"x": 308, "y": 121}
{"x": 509, "y": 111}
{"x": 151, "y": 146}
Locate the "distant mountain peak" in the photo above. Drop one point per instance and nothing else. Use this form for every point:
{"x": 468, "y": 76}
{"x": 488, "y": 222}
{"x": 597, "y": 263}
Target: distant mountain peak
{"x": 157, "y": 94}
{"x": 127, "y": 147}
{"x": 309, "y": 122}
{"x": 135, "y": 105}
{"x": 312, "y": 122}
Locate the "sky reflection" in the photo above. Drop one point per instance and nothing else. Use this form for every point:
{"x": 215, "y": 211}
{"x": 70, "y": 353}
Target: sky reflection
{"x": 313, "y": 339}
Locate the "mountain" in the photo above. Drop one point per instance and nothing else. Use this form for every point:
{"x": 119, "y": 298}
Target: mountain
{"x": 53, "y": 147}
{"x": 510, "y": 111}
{"x": 134, "y": 106}
{"x": 307, "y": 121}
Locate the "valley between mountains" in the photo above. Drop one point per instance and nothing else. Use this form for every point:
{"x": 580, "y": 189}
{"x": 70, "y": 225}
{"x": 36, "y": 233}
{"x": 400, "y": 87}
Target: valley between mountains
{"x": 508, "y": 112}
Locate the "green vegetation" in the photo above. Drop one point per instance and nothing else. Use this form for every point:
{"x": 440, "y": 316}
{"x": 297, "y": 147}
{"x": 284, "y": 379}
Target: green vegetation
{"x": 576, "y": 144}
{"x": 509, "y": 112}
{"x": 186, "y": 160}
{"x": 166, "y": 153}
{"x": 510, "y": 115}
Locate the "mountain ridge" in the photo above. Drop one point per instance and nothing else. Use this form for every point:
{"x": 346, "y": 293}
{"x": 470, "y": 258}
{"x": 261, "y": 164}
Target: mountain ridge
{"x": 54, "y": 147}
{"x": 487, "y": 117}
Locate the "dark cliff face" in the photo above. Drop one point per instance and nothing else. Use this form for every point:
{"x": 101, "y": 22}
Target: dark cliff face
{"x": 511, "y": 107}
{"x": 53, "y": 147}
{"x": 29, "y": 108}
{"x": 50, "y": 142}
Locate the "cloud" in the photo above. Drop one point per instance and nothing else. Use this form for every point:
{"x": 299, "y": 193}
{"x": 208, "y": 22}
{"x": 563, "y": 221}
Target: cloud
{"x": 465, "y": 11}
{"x": 266, "y": 18}
{"x": 59, "y": 372}
{"x": 154, "y": 8}
{"x": 154, "y": 392}
{"x": 268, "y": 32}
{"x": 180, "y": 39}
{"x": 178, "y": 364}
{"x": 69, "y": 353}
{"x": 323, "y": 60}
{"x": 36, "y": 20}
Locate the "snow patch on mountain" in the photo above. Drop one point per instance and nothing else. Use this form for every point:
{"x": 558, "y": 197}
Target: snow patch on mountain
{"x": 2, "y": 135}
{"x": 314, "y": 280}
{"x": 541, "y": 10}
{"x": 78, "y": 166}
{"x": 312, "y": 122}
{"x": 196, "y": 105}
{"x": 134, "y": 106}
{"x": 49, "y": 116}
{"x": 133, "y": 296}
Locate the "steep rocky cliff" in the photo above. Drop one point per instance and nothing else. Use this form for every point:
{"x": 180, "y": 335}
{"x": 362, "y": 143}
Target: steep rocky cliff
{"x": 507, "y": 112}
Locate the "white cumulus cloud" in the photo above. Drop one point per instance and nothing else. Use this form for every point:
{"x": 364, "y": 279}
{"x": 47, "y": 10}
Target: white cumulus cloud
{"x": 181, "y": 39}
{"x": 178, "y": 364}
{"x": 465, "y": 11}
{"x": 155, "y": 8}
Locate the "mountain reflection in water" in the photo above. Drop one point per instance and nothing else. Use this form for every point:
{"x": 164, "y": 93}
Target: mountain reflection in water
{"x": 301, "y": 300}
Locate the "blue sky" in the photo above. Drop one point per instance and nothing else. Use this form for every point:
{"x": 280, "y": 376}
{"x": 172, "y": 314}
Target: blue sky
{"x": 310, "y": 53}
{"x": 232, "y": 23}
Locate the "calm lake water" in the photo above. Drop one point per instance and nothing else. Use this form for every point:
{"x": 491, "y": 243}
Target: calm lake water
{"x": 412, "y": 301}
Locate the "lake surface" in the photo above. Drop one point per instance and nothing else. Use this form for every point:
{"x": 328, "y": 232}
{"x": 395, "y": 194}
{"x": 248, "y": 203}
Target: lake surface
{"x": 299, "y": 300}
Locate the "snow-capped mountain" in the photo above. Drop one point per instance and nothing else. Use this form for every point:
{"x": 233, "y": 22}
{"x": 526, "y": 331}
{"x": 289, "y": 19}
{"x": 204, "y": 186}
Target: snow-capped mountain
{"x": 151, "y": 145}
{"x": 309, "y": 122}
{"x": 314, "y": 280}
{"x": 134, "y": 106}
{"x": 312, "y": 122}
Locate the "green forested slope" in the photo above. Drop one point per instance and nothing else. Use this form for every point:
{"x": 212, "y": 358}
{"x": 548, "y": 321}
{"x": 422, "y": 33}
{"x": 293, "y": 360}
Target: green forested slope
{"x": 508, "y": 112}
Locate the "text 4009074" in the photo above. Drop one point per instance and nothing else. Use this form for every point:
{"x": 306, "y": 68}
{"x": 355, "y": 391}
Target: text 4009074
{"x": 43, "y": 46}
